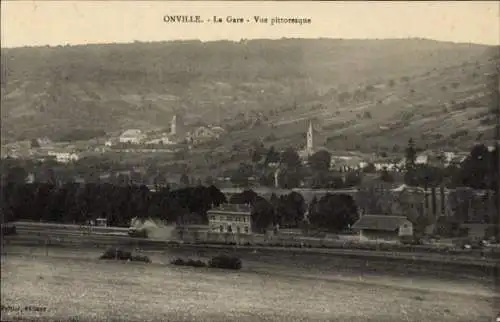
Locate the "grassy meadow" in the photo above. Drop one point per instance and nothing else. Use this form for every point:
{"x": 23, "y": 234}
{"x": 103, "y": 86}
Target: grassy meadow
{"x": 74, "y": 285}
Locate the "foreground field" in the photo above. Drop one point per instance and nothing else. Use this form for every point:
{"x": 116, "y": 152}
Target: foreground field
{"x": 73, "y": 285}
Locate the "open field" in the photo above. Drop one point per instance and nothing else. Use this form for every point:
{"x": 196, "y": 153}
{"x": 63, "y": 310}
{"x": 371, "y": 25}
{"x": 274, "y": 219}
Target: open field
{"x": 69, "y": 283}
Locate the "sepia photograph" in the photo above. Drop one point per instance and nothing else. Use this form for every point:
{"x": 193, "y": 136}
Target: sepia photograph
{"x": 250, "y": 161}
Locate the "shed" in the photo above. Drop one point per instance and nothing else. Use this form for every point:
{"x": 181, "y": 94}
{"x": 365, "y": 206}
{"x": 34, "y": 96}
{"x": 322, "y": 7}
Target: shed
{"x": 383, "y": 227}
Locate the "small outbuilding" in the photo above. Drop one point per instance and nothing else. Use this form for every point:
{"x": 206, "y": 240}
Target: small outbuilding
{"x": 383, "y": 227}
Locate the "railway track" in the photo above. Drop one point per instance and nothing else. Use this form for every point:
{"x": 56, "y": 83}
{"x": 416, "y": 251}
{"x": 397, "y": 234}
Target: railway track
{"x": 65, "y": 236}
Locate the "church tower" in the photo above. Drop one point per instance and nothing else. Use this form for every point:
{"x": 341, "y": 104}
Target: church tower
{"x": 173, "y": 125}
{"x": 310, "y": 139}
{"x": 177, "y": 128}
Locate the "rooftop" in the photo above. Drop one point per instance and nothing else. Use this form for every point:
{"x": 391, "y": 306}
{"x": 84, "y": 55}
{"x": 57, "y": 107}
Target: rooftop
{"x": 232, "y": 208}
{"x": 131, "y": 133}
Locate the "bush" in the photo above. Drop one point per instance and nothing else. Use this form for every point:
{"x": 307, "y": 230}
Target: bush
{"x": 178, "y": 261}
{"x": 140, "y": 258}
{"x": 188, "y": 262}
{"x": 116, "y": 253}
{"x": 225, "y": 261}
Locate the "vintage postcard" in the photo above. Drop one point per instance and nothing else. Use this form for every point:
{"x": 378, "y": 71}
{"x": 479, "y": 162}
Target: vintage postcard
{"x": 250, "y": 161}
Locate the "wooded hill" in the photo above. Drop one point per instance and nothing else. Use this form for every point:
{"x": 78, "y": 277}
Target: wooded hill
{"x": 374, "y": 92}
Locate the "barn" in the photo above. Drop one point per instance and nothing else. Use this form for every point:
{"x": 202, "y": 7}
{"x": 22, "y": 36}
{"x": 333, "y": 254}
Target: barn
{"x": 383, "y": 228}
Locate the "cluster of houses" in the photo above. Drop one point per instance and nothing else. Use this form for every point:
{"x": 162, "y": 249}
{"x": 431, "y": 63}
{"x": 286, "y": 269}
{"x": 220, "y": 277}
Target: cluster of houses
{"x": 178, "y": 134}
{"x": 355, "y": 163}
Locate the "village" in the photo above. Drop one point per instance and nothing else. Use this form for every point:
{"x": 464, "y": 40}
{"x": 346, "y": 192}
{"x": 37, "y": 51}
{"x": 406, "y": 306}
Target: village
{"x": 388, "y": 209}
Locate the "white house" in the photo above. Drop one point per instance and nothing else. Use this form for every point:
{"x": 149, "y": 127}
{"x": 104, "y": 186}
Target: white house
{"x": 229, "y": 218}
{"x": 64, "y": 157}
{"x": 132, "y": 136}
{"x": 379, "y": 166}
{"x": 422, "y": 159}
{"x": 166, "y": 140}
{"x": 203, "y": 133}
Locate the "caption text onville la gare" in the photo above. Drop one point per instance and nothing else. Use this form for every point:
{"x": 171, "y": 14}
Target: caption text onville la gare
{"x": 236, "y": 20}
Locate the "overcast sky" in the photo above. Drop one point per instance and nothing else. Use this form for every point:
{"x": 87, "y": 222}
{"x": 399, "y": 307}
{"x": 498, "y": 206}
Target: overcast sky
{"x": 34, "y": 23}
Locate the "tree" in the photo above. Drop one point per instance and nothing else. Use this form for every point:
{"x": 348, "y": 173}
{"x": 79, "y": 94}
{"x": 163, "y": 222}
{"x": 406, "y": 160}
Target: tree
{"x": 216, "y": 196}
{"x": 320, "y": 161}
{"x": 291, "y": 209}
{"x": 334, "y": 212}
{"x": 290, "y": 178}
{"x": 122, "y": 180}
{"x": 480, "y": 169}
{"x": 209, "y": 180}
{"x": 34, "y": 143}
{"x": 386, "y": 176}
{"x": 290, "y": 159}
{"x": 428, "y": 176}
{"x": 312, "y": 205}
{"x": 272, "y": 156}
{"x": 267, "y": 179}
{"x": 258, "y": 152}
{"x": 159, "y": 181}
{"x": 136, "y": 178}
{"x": 245, "y": 197}
{"x": 93, "y": 177}
{"x": 241, "y": 174}
{"x": 410, "y": 155}
{"x": 14, "y": 175}
{"x": 327, "y": 180}
{"x": 353, "y": 179}
{"x": 184, "y": 179}
{"x": 370, "y": 168}
{"x": 262, "y": 214}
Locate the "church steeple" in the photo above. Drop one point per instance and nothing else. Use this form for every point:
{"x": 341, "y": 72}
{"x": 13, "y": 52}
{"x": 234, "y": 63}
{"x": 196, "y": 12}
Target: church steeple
{"x": 310, "y": 139}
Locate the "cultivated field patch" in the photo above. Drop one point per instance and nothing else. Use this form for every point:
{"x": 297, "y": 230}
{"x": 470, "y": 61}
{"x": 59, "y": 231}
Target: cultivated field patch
{"x": 96, "y": 290}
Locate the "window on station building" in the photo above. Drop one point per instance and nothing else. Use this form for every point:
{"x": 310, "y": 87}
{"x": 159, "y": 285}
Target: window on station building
{"x": 246, "y": 229}
{"x": 221, "y": 228}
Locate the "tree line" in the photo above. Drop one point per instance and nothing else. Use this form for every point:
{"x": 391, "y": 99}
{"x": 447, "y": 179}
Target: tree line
{"x": 79, "y": 203}
{"x": 73, "y": 203}
{"x": 332, "y": 212}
